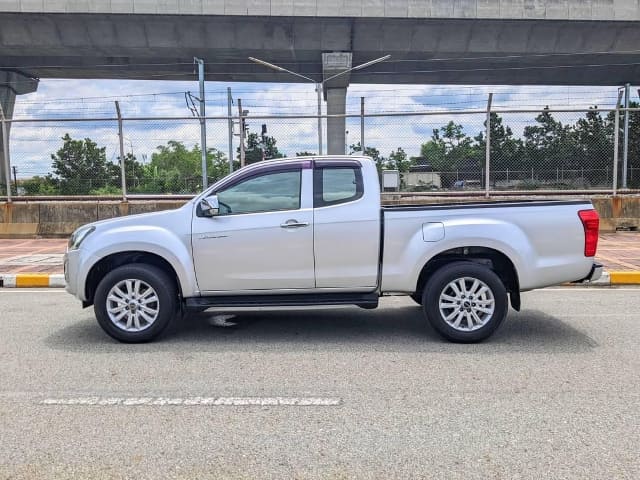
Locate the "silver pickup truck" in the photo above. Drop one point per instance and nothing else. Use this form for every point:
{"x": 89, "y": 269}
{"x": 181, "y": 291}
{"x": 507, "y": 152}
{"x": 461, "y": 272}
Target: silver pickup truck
{"x": 311, "y": 231}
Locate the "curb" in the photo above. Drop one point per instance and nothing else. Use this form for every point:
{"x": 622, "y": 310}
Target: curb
{"x": 56, "y": 280}
{"x": 32, "y": 280}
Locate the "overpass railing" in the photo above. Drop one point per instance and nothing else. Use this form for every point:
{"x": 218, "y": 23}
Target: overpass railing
{"x": 436, "y": 152}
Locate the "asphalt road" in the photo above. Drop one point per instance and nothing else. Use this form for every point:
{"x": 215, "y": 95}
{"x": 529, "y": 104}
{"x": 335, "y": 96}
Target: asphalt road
{"x": 554, "y": 394}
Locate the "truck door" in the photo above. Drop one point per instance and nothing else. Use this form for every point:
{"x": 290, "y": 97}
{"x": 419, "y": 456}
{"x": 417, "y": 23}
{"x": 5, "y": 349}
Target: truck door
{"x": 346, "y": 227}
{"x": 263, "y": 237}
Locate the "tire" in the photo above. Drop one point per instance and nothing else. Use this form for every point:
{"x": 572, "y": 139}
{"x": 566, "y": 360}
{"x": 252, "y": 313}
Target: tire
{"x": 483, "y": 302}
{"x": 135, "y": 303}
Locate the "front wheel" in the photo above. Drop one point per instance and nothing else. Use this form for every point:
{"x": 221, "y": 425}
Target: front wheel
{"x": 135, "y": 303}
{"x": 465, "y": 302}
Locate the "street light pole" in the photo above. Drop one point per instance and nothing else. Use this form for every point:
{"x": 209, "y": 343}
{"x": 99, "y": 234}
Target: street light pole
{"x": 319, "y": 85}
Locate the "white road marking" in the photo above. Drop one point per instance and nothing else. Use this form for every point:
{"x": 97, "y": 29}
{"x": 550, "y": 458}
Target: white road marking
{"x": 188, "y": 401}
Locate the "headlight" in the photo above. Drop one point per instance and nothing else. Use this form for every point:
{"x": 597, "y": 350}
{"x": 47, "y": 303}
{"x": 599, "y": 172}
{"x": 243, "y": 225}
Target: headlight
{"x": 78, "y": 237}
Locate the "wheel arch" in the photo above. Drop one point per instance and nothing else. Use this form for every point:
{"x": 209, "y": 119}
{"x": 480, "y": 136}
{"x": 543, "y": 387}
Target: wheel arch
{"x": 115, "y": 260}
{"x": 494, "y": 259}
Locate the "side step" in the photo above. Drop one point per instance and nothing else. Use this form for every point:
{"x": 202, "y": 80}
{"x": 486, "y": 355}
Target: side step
{"x": 363, "y": 300}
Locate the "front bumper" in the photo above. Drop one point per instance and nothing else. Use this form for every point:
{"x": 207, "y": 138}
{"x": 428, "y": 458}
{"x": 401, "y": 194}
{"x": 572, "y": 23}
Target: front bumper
{"x": 70, "y": 261}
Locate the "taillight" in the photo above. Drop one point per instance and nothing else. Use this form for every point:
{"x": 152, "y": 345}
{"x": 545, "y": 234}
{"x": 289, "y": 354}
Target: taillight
{"x": 591, "y": 223}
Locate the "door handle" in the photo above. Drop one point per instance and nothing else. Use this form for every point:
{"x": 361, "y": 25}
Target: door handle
{"x": 294, "y": 224}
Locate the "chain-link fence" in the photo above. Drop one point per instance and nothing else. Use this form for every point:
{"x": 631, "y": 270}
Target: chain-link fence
{"x": 433, "y": 151}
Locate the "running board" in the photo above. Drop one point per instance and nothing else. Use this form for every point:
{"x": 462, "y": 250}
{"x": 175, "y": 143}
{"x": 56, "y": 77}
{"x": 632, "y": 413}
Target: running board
{"x": 363, "y": 300}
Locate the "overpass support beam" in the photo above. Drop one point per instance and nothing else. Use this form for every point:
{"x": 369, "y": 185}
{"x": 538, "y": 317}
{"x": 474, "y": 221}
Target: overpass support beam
{"x": 335, "y": 70}
{"x": 12, "y": 84}
{"x": 336, "y": 105}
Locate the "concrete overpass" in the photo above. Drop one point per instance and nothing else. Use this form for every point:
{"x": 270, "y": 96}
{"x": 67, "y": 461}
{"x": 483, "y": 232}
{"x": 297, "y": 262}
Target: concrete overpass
{"x": 550, "y": 42}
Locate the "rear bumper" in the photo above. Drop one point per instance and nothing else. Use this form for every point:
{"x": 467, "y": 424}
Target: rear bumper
{"x": 594, "y": 274}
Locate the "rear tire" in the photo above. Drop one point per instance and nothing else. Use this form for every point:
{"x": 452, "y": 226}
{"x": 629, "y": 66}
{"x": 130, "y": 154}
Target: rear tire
{"x": 135, "y": 303}
{"x": 465, "y": 302}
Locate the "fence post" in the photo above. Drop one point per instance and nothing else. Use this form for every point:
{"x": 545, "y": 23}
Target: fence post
{"x": 362, "y": 124}
{"x": 625, "y": 154}
{"x": 241, "y": 123}
{"x": 319, "y": 90}
{"x": 230, "y": 126}
{"x": 616, "y": 140}
{"x": 122, "y": 169}
{"x": 487, "y": 161}
{"x": 5, "y": 151}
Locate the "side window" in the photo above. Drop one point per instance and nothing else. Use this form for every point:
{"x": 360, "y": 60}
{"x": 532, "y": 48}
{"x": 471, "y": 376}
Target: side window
{"x": 264, "y": 193}
{"x": 335, "y": 185}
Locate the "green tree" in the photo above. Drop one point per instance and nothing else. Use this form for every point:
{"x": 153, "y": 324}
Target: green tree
{"x": 305, "y": 154}
{"x": 452, "y": 153}
{"x": 40, "y": 186}
{"x": 372, "y": 152}
{"x": 176, "y": 169}
{"x": 593, "y": 136}
{"x": 134, "y": 173}
{"x": 260, "y": 148}
{"x": 398, "y": 161}
{"x": 81, "y": 166}
{"x": 550, "y": 146}
{"x": 506, "y": 151}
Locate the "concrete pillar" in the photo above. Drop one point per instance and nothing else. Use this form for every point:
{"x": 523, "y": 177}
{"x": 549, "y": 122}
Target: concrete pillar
{"x": 335, "y": 93}
{"x": 12, "y": 84}
{"x": 336, "y": 105}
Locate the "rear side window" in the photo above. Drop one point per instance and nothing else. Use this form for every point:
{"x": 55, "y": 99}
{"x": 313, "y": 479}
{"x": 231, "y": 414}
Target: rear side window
{"x": 336, "y": 185}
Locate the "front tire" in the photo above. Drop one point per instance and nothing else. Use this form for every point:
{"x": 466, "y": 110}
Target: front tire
{"x": 135, "y": 303}
{"x": 465, "y": 302}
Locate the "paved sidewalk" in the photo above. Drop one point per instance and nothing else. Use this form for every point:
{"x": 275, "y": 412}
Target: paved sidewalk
{"x": 618, "y": 252}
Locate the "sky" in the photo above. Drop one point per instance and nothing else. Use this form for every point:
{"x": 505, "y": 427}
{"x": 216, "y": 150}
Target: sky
{"x": 57, "y": 99}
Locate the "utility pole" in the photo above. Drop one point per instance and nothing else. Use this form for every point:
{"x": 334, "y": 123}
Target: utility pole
{"x": 203, "y": 124}
{"x": 15, "y": 178}
{"x": 230, "y": 124}
{"x": 241, "y": 119}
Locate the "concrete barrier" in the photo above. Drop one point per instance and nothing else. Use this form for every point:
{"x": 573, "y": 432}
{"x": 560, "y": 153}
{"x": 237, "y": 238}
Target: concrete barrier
{"x": 59, "y": 219}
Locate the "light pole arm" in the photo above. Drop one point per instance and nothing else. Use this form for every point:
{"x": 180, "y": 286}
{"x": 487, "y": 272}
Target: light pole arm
{"x": 359, "y": 67}
{"x": 280, "y": 69}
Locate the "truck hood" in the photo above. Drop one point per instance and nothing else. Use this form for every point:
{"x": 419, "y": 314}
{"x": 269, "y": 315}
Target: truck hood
{"x": 165, "y": 218}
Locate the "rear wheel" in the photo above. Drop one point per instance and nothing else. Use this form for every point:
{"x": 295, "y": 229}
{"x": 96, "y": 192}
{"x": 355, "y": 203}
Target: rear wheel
{"x": 465, "y": 302}
{"x": 135, "y": 303}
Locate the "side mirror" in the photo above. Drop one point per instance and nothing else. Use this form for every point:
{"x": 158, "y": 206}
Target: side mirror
{"x": 210, "y": 206}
